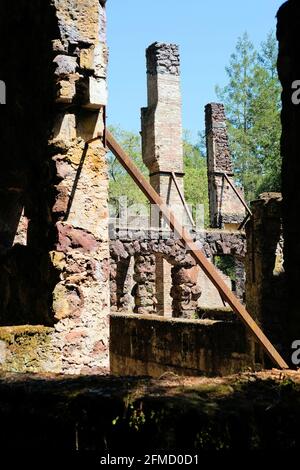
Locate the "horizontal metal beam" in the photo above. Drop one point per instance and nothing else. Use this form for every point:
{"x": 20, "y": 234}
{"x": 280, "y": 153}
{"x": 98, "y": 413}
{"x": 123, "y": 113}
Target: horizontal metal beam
{"x": 196, "y": 253}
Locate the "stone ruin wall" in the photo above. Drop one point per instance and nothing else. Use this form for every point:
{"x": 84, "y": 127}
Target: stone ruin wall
{"x": 265, "y": 276}
{"x": 54, "y": 249}
{"x": 55, "y": 257}
{"x": 139, "y": 250}
{"x": 225, "y": 208}
{"x": 176, "y": 286}
{"x": 56, "y": 260}
{"x": 161, "y": 124}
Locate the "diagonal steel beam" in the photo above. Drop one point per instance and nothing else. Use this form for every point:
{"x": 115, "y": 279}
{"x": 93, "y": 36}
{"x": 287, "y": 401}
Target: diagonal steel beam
{"x": 196, "y": 253}
{"x": 242, "y": 200}
{"x": 187, "y": 210}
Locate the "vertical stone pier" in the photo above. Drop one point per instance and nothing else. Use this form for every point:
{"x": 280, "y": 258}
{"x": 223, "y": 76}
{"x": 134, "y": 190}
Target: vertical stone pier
{"x": 162, "y": 146}
{"x": 162, "y": 124}
{"x": 81, "y": 253}
{"x": 265, "y": 280}
{"x": 226, "y": 211}
{"x": 54, "y": 253}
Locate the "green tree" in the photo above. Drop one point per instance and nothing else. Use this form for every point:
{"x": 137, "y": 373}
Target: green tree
{"x": 252, "y": 103}
{"x": 195, "y": 179}
{"x": 120, "y": 182}
{"x": 266, "y": 107}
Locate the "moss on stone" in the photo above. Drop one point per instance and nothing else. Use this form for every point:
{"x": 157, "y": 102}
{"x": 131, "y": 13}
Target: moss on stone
{"x": 10, "y": 334}
{"x": 25, "y": 348}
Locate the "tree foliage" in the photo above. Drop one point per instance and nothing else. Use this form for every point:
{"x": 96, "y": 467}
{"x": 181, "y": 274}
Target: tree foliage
{"x": 195, "y": 179}
{"x": 120, "y": 182}
{"x": 252, "y": 103}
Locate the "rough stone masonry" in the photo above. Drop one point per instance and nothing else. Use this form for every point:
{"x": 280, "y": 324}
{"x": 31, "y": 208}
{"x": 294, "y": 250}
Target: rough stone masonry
{"x": 225, "y": 208}
{"x": 162, "y": 151}
{"x": 54, "y": 253}
{"x": 53, "y": 209}
{"x": 162, "y": 147}
{"x": 143, "y": 247}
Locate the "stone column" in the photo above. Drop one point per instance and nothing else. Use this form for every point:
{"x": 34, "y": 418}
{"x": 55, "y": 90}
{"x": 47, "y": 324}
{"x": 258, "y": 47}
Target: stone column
{"x": 144, "y": 289}
{"x": 120, "y": 281}
{"x": 226, "y": 211}
{"x": 239, "y": 265}
{"x": 162, "y": 141}
{"x": 265, "y": 293}
{"x": 163, "y": 286}
{"x": 57, "y": 275}
{"x": 80, "y": 210}
{"x": 162, "y": 123}
{"x": 185, "y": 291}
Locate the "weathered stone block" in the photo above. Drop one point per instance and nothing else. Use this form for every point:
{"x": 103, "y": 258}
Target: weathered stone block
{"x": 224, "y": 205}
{"x": 66, "y": 65}
{"x": 152, "y": 345}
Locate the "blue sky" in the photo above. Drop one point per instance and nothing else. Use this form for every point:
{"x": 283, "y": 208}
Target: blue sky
{"x": 206, "y": 32}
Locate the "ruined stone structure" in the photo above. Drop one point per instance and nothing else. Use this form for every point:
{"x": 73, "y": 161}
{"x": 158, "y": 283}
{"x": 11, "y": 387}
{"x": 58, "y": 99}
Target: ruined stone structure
{"x": 55, "y": 264}
{"x": 164, "y": 279}
{"x": 143, "y": 247}
{"x": 161, "y": 124}
{"x": 61, "y": 269}
{"x": 53, "y": 210}
{"x": 226, "y": 211}
{"x": 153, "y": 345}
{"x": 162, "y": 147}
{"x": 265, "y": 279}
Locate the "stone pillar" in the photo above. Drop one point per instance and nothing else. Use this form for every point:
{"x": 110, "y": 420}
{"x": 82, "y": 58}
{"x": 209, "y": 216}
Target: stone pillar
{"x": 162, "y": 140}
{"x": 57, "y": 274}
{"x": 265, "y": 295}
{"x": 226, "y": 211}
{"x": 163, "y": 286}
{"x": 113, "y": 284}
{"x": 80, "y": 210}
{"x": 240, "y": 278}
{"x": 120, "y": 278}
{"x": 162, "y": 124}
{"x": 144, "y": 289}
{"x": 185, "y": 291}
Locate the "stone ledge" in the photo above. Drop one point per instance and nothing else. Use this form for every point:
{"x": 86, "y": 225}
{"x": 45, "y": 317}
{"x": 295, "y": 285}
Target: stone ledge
{"x": 151, "y": 345}
{"x": 10, "y": 333}
{"x": 221, "y": 314}
{"x": 159, "y": 318}
{"x": 28, "y": 348}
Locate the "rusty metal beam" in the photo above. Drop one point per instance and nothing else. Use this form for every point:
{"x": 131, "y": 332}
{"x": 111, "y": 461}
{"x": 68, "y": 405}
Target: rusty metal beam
{"x": 196, "y": 252}
{"x": 183, "y": 199}
{"x": 244, "y": 222}
{"x": 98, "y": 137}
{"x": 238, "y": 194}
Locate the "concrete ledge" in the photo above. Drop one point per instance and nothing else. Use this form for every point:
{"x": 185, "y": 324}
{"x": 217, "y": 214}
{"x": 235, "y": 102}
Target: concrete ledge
{"x": 221, "y": 313}
{"x": 28, "y": 348}
{"x": 152, "y": 345}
